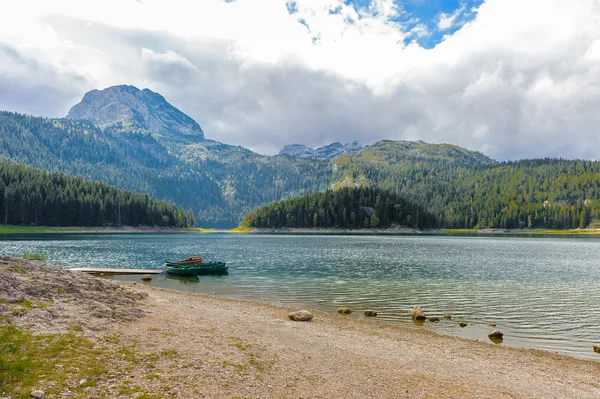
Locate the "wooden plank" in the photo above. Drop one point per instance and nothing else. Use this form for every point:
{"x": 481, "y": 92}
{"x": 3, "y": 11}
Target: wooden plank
{"x": 116, "y": 271}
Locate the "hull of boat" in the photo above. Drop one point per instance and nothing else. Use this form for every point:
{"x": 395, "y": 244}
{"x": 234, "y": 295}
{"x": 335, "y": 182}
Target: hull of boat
{"x": 194, "y": 269}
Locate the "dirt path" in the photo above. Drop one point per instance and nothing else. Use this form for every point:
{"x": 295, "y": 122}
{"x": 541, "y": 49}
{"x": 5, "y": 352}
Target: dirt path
{"x": 229, "y": 348}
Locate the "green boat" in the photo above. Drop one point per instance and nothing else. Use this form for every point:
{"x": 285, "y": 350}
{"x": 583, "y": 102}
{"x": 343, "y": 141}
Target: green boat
{"x": 186, "y": 268}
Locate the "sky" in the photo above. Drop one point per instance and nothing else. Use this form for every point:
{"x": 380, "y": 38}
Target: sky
{"x": 510, "y": 78}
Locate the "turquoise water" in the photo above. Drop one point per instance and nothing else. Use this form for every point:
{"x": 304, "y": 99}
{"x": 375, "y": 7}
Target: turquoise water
{"x": 542, "y": 292}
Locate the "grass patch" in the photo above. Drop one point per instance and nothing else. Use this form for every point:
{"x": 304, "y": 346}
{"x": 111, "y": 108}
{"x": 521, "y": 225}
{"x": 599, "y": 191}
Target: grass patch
{"x": 27, "y": 359}
{"x": 201, "y": 230}
{"x": 112, "y": 339}
{"x": 34, "y": 255}
{"x": 239, "y": 229}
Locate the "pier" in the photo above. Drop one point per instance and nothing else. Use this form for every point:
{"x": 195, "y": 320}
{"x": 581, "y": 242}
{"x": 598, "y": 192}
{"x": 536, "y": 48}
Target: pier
{"x": 116, "y": 271}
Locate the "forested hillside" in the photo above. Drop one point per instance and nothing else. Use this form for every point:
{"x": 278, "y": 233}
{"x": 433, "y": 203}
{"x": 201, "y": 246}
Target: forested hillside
{"x": 33, "y": 197}
{"x": 543, "y": 193}
{"x": 221, "y": 183}
{"x": 350, "y": 208}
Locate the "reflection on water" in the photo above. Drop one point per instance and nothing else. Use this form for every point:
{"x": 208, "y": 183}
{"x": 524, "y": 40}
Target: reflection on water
{"x": 529, "y": 287}
{"x": 183, "y": 279}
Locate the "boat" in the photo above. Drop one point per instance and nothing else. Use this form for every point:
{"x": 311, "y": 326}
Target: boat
{"x": 195, "y": 266}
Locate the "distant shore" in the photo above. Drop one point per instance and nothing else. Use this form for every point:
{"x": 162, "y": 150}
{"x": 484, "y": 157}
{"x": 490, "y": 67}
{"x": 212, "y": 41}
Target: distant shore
{"x": 130, "y": 340}
{"x": 12, "y": 229}
{"x": 406, "y": 230}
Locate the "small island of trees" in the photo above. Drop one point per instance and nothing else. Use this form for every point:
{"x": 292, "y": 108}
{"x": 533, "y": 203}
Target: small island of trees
{"x": 347, "y": 208}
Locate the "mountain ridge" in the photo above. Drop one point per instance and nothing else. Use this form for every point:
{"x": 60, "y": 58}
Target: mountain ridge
{"x": 221, "y": 182}
{"x": 147, "y": 109}
{"x": 328, "y": 151}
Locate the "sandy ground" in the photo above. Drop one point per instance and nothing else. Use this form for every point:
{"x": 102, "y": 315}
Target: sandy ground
{"x": 336, "y": 357}
{"x": 161, "y": 343}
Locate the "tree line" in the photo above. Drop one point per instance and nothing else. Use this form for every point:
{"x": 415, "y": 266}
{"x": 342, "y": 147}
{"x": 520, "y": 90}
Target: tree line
{"x": 33, "y": 197}
{"x": 350, "y": 208}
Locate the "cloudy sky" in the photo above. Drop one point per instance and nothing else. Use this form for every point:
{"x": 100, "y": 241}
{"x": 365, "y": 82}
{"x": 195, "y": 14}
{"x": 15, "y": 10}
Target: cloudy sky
{"x": 510, "y": 78}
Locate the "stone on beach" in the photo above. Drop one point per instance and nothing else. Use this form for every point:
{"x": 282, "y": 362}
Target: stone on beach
{"x": 146, "y": 277}
{"x": 447, "y": 316}
{"x": 370, "y": 313}
{"x": 496, "y": 334}
{"x": 597, "y": 348}
{"x": 462, "y": 324}
{"x": 38, "y": 394}
{"x": 417, "y": 313}
{"x": 492, "y": 324}
{"x": 344, "y": 310}
{"x": 434, "y": 319}
{"x": 300, "y": 315}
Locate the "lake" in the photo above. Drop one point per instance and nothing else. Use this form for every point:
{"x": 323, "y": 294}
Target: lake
{"x": 542, "y": 292}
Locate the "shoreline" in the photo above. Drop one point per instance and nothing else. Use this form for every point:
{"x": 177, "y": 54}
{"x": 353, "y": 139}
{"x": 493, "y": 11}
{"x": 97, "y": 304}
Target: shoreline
{"x": 153, "y": 342}
{"x": 15, "y": 229}
{"x": 410, "y": 231}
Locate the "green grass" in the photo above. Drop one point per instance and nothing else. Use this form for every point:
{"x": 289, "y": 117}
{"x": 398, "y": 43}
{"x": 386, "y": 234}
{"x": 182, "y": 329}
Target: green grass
{"x": 239, "y": 229}
{"x": 27, "y": 359}
{"x": 34, "y": 255}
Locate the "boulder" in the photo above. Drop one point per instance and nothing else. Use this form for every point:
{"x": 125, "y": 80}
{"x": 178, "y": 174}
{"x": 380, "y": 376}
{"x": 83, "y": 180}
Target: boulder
{"x": 417, "y": 313}
{"x": 146, "y": 277}
{"x": 597, "y": 348}
{"x": 496, "y": 335}
{"x": 462, "y": 324}
{"x": 447, "y": 316}
{"x": 344, "y": 310}
{"x": 37, "y": 394}
{"x": 434, "y": 319}
{"x": 300, "y": 315}
{"x": 370, "y": 313}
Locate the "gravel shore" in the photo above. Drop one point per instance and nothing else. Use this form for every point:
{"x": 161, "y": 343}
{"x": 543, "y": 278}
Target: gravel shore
{"x": 174, "y": 344}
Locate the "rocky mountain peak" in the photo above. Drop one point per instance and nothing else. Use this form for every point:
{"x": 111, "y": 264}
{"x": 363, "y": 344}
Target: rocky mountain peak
{"x": 144, "y": 108}
{"x": 329, "y": 151}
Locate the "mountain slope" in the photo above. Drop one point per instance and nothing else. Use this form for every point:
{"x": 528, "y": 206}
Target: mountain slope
{"x": 221, "y": 182}
{"x": 329, "y": 151}
{"x": 30, "y": 196}
{"x": 144, "y": 108}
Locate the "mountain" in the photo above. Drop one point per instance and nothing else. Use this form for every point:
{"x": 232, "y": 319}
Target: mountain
{"x": 128, "y": 105}
{"x": 329, "y": 151}
{"x": 135, "y": 140}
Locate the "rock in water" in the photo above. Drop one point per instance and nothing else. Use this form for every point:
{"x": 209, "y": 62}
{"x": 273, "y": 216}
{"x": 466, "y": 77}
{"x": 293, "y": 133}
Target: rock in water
{"x": 434, "y": 319}
{"x": 146, "y": 278}
{"x": 496, "y": 335}
{"x": 417, "y": 313}
{"x": 447, "y": 316}
{"x": 370, "y": 313}
{"x": 37, "y": 394}
{"x": 492, "y": 324}
{"x": 597, "y": 348}
{"x": 344, "y": 310}
{"x": 462, "y": 324}
{"x": 300, "y": 315}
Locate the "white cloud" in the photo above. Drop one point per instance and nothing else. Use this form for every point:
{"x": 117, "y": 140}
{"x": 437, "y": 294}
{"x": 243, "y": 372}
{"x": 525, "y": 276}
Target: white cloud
{"x": 520, "y": 80}
{"x": 447, "y": 21}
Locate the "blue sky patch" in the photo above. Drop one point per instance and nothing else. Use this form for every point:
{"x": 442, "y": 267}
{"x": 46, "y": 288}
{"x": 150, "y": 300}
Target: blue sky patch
{"x": 421, "y": 14}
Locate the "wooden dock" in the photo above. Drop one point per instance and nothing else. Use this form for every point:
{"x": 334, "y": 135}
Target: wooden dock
{"x": 116, "y": 271}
